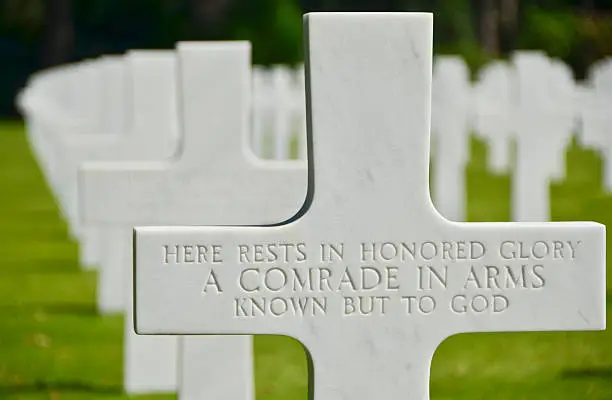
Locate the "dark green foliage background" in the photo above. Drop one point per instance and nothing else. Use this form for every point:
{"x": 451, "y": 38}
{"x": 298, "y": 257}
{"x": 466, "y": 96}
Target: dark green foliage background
{"x": 578, "y": 31}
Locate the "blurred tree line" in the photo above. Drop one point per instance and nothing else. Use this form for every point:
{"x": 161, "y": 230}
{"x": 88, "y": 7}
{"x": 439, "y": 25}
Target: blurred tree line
{"x": 35, "y": 34}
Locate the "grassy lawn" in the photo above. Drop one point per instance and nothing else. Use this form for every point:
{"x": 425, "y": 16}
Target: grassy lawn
{"x": 54, "y": 346}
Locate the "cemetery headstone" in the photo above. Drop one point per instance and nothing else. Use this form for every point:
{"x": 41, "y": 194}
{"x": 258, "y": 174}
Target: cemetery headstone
{"x": 451, "y": 123}
{"x": 493, "y": 113}
{"x": 283, "y": 108}
{"x": 261, "y": 110}
{"x": 45, "y": 105}
{"x": 369, "y": 277}
{"x": 543, "y": 127}
{"x": 88, "y": 139}
{"x": 213, "y": 179}
{"x": 563, "y": 90}
{"x": 300, "y": 112}
{"x": 152, "y": 135}
{"x": 108, "y": 119}
{"x": 278, "y": 113}
{"x": 596, "y": 116}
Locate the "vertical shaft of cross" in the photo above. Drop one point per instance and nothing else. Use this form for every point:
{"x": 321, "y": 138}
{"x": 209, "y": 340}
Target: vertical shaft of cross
{"x": 115, "y": 261}
{"x": 449, "y": 180}
{"x": 115, "y": 96}
{"x": 141, "y": 365}
{"x": 214, "y": 84}
{"x": 222, "y": 365}
{"x": 150, "y": 112}
{"x": 396, "y": 367}
{"x": 369, "y": 99}
{"x": 531, "y": 185}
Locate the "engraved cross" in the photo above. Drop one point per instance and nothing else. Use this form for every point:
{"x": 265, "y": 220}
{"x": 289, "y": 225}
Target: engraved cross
{"x": 369, "y": 277}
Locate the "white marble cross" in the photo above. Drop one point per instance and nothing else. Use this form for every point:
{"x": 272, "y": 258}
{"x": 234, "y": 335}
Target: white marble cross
{"x": 563, "y": 95}
{"x": 300, "y": 112}
{"x": 213, "y": 179}
{"x": 369, "y": 277}
{"x": 186, "y": 184}
{"x": 543, "y": 121}
{"x": 451, "y": 123}
{"x": 62, "y": 119}
{"x": 493, "y": 113}
{"x": 49, "y": 112}
{"x": 596, "y": 115}
{"x": 283, "y": 111}
{"x": 112, "y": 115}
{"x": 152, "y": 134}
{"x": 38, "y": 103}
{"x": 89, "y": 140}
{"x": 261, "y": 111}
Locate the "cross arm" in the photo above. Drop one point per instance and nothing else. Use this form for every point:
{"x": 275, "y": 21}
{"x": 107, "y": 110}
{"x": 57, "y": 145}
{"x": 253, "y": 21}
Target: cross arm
{"x": 206, "y": 269}
{"x": 150, "y": 193}
{"x": 528, "y": 277}
{"x": 87, "y": 145}
{"x": 479, "y": 277}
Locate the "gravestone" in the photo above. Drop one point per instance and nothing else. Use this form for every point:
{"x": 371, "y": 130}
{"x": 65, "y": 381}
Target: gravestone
{"x": 300, "y": 112}
{"x": 213, "y": 179}
{"x": 261, "y": 110}
{"x": 596, "y": 116}
{"x": 544, "y": 120}
{"x": 28, "y": 99}
{"x": 369, "y": 277}
{"x": 34, "y": 107}
{"x": 493, "y": 113}
{"x": 563, "y": 90}
{"x": 283, "y": 109}
{"x": 88, "y": 139}
{"x": 52, "y": 114}
{"x": 152, "y": 135}
{"x": 110, "y": 120}
{"x": 47, "y": 110}
{"x": 451, "y": 123}
{"x": 583, "y": 98}
{"x": 278, "y": 111}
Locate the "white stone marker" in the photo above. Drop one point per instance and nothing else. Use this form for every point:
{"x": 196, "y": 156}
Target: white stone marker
{"x": 596, "y": 116}
{"x": 214, "y": 179}
{"x": 493, "y": 113}
{"x": 261, "y": 110}
{"x": 300, "y": 112}
{"x": 543, "y": 120}
{"x": 46, "y": 108}
{"x": 152, "y": 135}
{"x": 278, "y": 112}
{"x": 451, "y": 123}
{"x": 89, "y": 141}
{"x": 370, "y": 278}
{"x": 114, "y": 123}
{"x": 261, "y": 190}
{"x": 583, "y": 98}
{"x": 283, "y": 109}
{"x": 40, "y": 108}
{"x": 563, "y": 96}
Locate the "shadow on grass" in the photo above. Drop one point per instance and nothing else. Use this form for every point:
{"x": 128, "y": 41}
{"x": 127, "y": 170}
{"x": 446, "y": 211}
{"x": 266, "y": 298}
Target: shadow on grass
{"x": 41, "y": 386}
{"x": 587, "y": 373}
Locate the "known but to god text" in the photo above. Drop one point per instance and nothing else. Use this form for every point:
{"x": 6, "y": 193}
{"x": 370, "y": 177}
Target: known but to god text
{"x": 374, "y": 278}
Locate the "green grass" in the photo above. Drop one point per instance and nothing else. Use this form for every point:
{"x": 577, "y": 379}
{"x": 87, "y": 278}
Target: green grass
{"x": 54, "y": 346}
